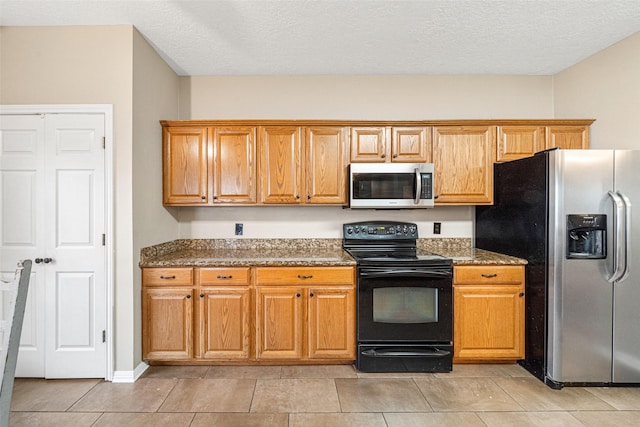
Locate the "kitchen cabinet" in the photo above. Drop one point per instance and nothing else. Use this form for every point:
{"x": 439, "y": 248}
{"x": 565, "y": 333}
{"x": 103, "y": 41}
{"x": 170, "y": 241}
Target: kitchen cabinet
{"x": 185, "y": 165}
{"x": 488, "y": 305}
{"x": 303, "y": 165}
{"x": 224, "y": 312}
{"x": 305, "y": 313}
{"x": 167, "y": 314}
{"x": 516, "y": 142}
{"x": 380, "y": 144}
{"x": 463, "y": 158}
{"x": 234, "y": 165}
{"x": 567, "y": 137}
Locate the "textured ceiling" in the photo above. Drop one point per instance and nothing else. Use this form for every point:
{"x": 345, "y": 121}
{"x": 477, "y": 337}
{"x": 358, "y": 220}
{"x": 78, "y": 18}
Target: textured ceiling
{"x": 354, "y": 37}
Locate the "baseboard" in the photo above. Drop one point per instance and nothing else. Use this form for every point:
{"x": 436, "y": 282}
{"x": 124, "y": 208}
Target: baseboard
{"x": 129, "y": 376}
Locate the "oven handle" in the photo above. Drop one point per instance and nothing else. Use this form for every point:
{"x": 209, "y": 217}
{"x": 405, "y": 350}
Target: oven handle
{"x": 429, "y": 352}
{"x": 406, "y": 272}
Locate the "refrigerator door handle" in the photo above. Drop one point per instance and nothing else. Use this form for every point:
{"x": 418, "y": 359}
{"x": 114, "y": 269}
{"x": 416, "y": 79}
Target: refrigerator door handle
{"x": 627, "y": 235}
{"x": 618, "y": 260}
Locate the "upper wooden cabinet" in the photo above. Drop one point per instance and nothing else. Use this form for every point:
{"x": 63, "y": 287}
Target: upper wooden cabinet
{"x": 303, "y": 165}
{"x": 463, "y": 158}
{"x": 234, "y": 165}
{"x": 390, "y": 144}
{"x": 568, "y": 137}
{"x": 185, "y": 166}
{"x": 516, "y": 142}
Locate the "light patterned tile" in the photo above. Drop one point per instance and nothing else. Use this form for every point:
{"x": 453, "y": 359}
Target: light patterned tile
{"x": 622, "y": 398}
{"x": 533, "y": 395}
{"x": 433, "y": 419}
{"x": 485, "y": 370}
{"x": 210, "y": 395}
{"x": 130, "y": 419}
{"x": 337, "y": 420}
{"x": 52, "y": 419}
{"x": 48, "y": 395}
{"x": 244, "y": 372}
{"x": 179, "y": 372}
{"x": 295, "y": 395}
{"x": 145, "y": 395}
{"x": 319, "y": 371}
{"x": 240, "y": 420}
{"x": 466, "y": 394}
{"x": 380, "y": 395}
{"x": 608, "y": 418}
{"x": 530, "y": 419}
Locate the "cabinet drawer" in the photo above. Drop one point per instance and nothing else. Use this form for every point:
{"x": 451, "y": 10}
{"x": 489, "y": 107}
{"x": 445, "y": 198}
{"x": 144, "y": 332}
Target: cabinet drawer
{"x": 488, "y": 274}
{"x": 167, "y": 276}
{"x": 224, "y": 276}
{"x": 305, "y": 275}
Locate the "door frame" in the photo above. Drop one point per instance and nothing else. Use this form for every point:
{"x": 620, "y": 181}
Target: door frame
{"x": 107, "y": 110}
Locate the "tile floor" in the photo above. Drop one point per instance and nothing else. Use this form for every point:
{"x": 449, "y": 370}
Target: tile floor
{"x": 471, "y": 395}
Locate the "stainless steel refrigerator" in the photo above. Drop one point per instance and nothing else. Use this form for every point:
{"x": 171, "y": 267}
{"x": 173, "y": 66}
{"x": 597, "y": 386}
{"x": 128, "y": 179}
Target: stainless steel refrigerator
{"x": 575, "y": 216}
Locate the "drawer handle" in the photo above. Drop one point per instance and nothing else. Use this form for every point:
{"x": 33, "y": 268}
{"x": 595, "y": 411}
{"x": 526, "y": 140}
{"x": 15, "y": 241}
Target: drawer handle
{"x": 167, "y": 277}
{"x": 488, "y": 276}
{"x": 300, "y": 276}
{"x": 225, "y": 277}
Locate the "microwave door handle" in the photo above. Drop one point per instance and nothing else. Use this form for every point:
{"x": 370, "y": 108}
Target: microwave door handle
{"x": 418, "y": 187}
{"x": 617, "y": 255}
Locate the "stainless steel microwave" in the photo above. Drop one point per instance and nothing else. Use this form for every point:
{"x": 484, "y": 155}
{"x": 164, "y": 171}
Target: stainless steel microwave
{"x": 390, "y": 185}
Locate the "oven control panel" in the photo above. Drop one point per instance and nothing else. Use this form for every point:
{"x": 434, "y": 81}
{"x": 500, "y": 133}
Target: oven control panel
{"x": 380, "y": 230}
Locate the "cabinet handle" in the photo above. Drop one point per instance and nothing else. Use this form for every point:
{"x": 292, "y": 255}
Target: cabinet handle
{"x": 188, "y": 296}
{"x": 201, "y": 295}
{"x": 167, "y": 277}
{"x": 225, "y": 277}
{"x": 311, "y": 294}
{"x": 488, "y": 276}
{"x": 298, "y": 295}
{"x": 300, "y": 276}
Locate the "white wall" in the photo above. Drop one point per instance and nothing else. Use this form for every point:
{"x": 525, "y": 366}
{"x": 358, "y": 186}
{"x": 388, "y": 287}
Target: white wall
{"x": 351, "y": 98}
{"x": 605, "y": 86}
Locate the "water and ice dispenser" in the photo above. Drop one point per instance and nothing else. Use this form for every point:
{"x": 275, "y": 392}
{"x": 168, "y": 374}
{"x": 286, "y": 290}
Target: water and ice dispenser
{"x": 586, "y": 236}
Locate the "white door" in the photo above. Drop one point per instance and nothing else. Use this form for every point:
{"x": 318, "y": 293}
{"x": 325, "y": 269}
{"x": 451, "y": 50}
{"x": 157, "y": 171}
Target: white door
{"x": 53, "y": 211}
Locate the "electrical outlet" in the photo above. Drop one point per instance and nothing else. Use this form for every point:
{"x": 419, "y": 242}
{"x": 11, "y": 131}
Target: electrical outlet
{"x": 239, "y": 230}
{"x": 436, "y": 228}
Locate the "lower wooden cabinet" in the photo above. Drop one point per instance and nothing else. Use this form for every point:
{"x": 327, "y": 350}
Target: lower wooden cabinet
{"x": 488, "y": 305}
{"x": 305, "y": 313}
{"x": 291, "y": 314}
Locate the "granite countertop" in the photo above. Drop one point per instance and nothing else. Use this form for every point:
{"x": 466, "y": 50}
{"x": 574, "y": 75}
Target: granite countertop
{"x": 296, "y": 252}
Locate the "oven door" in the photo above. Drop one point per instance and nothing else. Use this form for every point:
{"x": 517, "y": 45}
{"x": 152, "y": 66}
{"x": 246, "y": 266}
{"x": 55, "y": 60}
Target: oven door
{"x": 405, "y": 304}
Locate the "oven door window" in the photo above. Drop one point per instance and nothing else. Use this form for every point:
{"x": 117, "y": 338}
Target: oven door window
{"x": 405, "y": 305}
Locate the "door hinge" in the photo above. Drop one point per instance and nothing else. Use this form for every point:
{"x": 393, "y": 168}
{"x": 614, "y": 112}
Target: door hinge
{"x": 104, "y": 142}
{"x": 104, "y": 336}
{"x": 104, "y": 240}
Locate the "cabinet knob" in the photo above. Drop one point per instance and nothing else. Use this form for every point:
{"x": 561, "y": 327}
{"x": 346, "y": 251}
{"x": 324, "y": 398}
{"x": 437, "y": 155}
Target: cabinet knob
{"x": 395, "y": 156}
{"x": 204, "y": 197}
{"x": 383, "y": 156}
{"x": 308, "y": 197}
{"x": 298, "y": 295}
{"x": 311, "y": 294}
{"x": 201, "y": 295}
{"x": 521, "y": 294}
{"x": 188, "y": 296}
{"x": 297, "y": 196}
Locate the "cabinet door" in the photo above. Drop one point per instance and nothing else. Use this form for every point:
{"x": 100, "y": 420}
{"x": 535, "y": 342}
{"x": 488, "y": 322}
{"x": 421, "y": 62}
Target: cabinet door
{"x": 167, "y": 322}
{"x": 281, "y": 165}
{"x": 279, "y": 322}
{"x": 224, "y": 323}
{"x": 568, "y": 137}
{"x": 489, "y": 322}
{"x": 517, "y": 142}
{"x": 411, "y": 144}
{"x": 326, "y": 160}
{"x": 332, "y": 333}
{"x": 234, "y": 165}
{"x": 369, "y": 144}
{"x": 185, "y": 160}
{"x": 463, "y": 159}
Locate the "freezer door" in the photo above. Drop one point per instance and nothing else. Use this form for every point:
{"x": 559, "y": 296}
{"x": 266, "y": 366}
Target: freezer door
{"x": 580, "y": 312}
{"x": 626, "y": 339}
